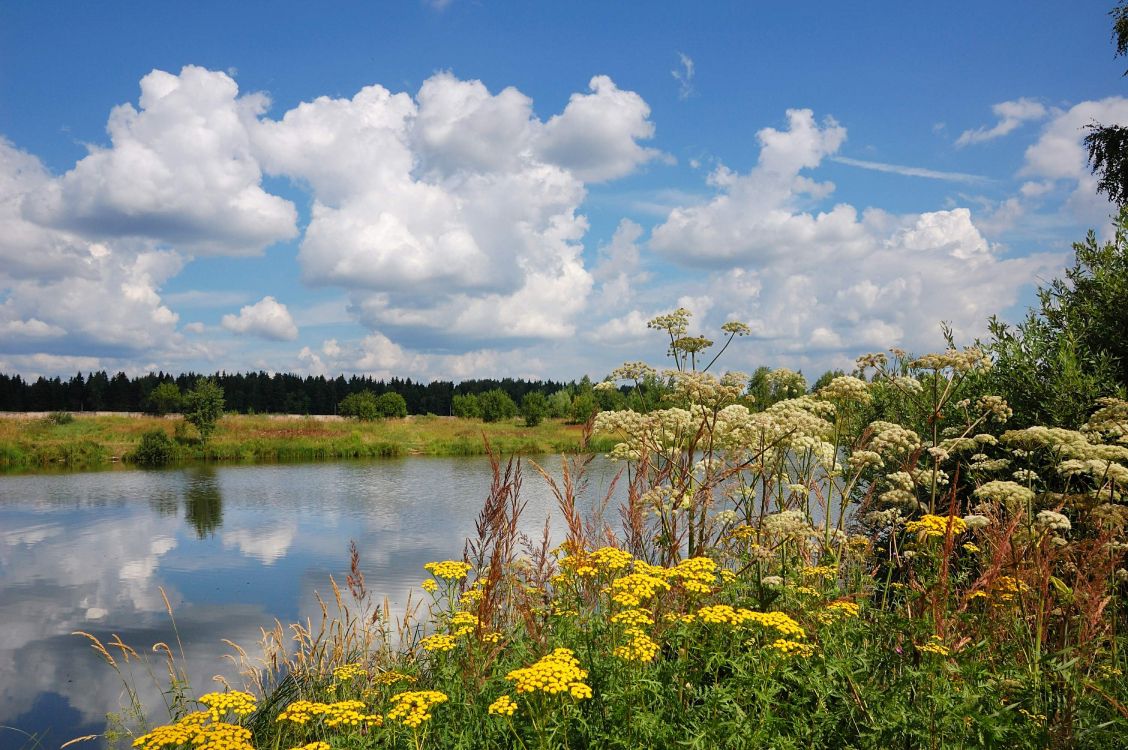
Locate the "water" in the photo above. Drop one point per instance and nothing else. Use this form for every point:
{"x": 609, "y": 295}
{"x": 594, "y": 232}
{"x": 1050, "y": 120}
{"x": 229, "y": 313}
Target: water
{"x": 232, "y": 547}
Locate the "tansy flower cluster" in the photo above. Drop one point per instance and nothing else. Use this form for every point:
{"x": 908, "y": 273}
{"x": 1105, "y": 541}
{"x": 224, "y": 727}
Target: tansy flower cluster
{"x": 193, "y": 731}
{"x": 934, "y": 646}
{"x": 640, "y": 647}
{"x": 341, "y": 713}
{"x": 697, "y": 575}
{"x": 238, "y": 703}
{"x": 558, "y": 672}
{"x": 503, "y": 706}
{"x": 632, "y": 590}
{"x": 448, "y": 570}
{"x": 438, "y": 643}
{"x": 792, "y": 648}
{"x": 412, "y": 708}
{"x": 930, "y": 526}
{"x": 838, "y": 611}
{"x": 347, "y": 672}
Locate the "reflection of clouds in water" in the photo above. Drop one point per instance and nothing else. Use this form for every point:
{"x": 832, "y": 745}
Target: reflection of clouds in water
{"x": 265, "y": 545}
{"x": 87, "y": 552}
{"x": 30, "y": 535}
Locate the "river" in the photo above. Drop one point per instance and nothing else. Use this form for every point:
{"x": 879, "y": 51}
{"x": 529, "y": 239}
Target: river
{"x": 233, "y": 547}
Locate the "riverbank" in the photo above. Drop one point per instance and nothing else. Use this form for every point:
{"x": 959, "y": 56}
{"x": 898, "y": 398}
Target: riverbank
{"x": 43, "y": 442}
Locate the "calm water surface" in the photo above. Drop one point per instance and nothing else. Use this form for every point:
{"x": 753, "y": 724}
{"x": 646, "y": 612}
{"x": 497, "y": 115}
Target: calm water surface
{"x": 233, "y": 548}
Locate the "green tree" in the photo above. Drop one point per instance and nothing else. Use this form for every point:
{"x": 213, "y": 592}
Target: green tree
{"x": 362, "y": 405}
{"x": 203, "y": 406}
{"x": 1108, "y": 144}
{"x": 391, "y": 405}
{"x": 560, "y": 404}
{"x": 164, "y": 399}
{"x": 155, "y": 449}
{"x": 1073, "y": 348}
{"x": 534, "y": 407}
{"x": 583, "y": 407}
{"x": 466, "y": 406}
{"x": 768, "y": 386}
{"x": 497, "y": 405}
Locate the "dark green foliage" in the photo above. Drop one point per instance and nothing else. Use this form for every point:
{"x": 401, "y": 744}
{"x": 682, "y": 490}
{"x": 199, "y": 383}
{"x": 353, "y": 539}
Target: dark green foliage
{"x": 60, "y": 417}
{"x": 466, "y": 406}
{"x": 534, "y": 407}
{"x": 155, "y": 449}
{"x": 1072, "y": 349}
{"x": 584, "y": 407}
{"x": 1108, "y": 144}
{"x": 497, "y": 405}
{"x": 203, "y": 406}
{"x": 825, "y": 379}
{"x": 164, "y": 399}
{"x": 391, "y": 405}
{"x": 362, "y": 406}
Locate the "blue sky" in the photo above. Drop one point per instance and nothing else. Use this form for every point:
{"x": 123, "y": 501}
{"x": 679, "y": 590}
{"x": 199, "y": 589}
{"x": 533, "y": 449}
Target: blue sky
{"x": 474, "y": 189}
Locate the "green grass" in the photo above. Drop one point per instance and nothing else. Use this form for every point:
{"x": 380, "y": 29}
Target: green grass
{"x": 90, "y": 442}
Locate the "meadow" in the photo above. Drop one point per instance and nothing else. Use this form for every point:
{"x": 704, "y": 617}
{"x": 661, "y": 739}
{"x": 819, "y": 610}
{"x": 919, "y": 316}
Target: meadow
{"x": 65, "y": 440}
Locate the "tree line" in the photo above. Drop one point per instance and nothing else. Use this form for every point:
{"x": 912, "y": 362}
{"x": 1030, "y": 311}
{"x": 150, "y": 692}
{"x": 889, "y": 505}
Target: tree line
{"x": 255, "y": 392}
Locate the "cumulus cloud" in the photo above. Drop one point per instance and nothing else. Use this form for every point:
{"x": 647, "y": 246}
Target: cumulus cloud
{"x": 596, "y": 136}
{"x": 812, "y": 284}
{"x": 1011, "y": 115}
{"x": 755, "y": 215}
{"x": 267, "y": 318}
{"x": 112, "y": 309}
{"x": 179, "y": 170}
{"x": 452, "y": 216}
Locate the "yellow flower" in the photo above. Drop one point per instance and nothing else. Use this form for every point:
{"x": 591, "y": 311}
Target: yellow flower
{"x": 792, "y": 648}
{"x": 412, "y": 708}
{"x": 641, "y": 647}
{"x": 438, "y": 643}
{"x": 930, "y": 526}
{"x": 429, "y": 586}
{"x": 449, "y": 570}
{"x": 503, "y": 706}
{"x": 821, "y": 571}
{"x": 238, "y": 703}
{"x": 838, "y": 611}
{"x": 631, "y": 590}
{"x": 633, "y": 617}
{"x": 934, "y": 646}
{"x": 558, "y": 672}
{"x": 349, "y": 671}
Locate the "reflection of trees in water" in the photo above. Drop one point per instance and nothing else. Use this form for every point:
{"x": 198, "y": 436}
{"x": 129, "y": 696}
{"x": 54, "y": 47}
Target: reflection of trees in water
{"x": 165, "y": 503}
{"x": 203, "y": 503}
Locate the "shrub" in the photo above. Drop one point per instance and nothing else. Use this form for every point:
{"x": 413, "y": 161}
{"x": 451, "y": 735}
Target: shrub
{"x": 391, "y": 405}
{"x": 203, "y": 406}
{"x": 583, "y": 407}
{"x": 155, "y": 449}
{"x": 534, "y": 407}
{"x": 362, "y": 406}
{"x": 60, "y": 417}
{"x": 466, "y": 406}
{"x": 497, "y": 406}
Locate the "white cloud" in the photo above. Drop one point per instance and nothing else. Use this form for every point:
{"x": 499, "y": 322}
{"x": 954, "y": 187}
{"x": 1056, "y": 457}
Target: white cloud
{"x": 684, "y": 75}
{"x": 1011, "y": 115}
{"x": 267, "y": 318}
{"x": 112, "y": 309}
{"x": 813, "y": 284}
{"x": 452, "y": 216}
{"x": 755, "y": 215}
{"x": 596, "y": 135}
{"x": 179, "y": 170}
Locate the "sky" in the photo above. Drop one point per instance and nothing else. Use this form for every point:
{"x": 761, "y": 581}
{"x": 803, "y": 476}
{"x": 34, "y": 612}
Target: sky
{"x": 457, "y": 189}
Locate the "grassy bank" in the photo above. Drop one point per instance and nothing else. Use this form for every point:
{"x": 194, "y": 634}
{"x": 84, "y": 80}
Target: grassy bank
{"x": 85, "y": 442}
